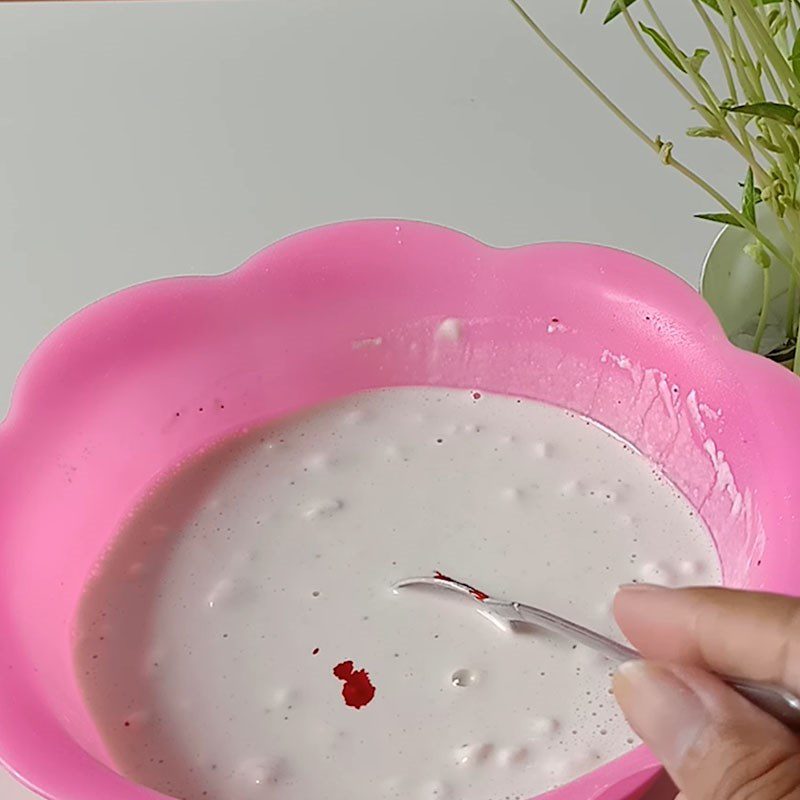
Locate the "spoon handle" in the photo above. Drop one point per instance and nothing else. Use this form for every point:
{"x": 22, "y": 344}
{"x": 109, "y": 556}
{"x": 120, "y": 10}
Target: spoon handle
{"x": 779, "y": 703}
{"x": 613, "y": 651}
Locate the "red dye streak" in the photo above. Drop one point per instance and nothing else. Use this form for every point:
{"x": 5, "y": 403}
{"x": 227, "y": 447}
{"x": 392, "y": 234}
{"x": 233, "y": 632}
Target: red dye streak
{"x": 358, "y": 690}
{"x": 476, "y": 593}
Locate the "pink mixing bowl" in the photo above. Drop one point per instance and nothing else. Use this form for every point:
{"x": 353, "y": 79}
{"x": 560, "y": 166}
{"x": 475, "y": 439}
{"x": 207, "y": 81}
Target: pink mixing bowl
{"x": 130, "y": 387}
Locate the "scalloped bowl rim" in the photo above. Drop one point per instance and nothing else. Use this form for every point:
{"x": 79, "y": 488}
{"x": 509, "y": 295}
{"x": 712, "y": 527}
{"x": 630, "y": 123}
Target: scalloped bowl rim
{"x": 626, "y": 776}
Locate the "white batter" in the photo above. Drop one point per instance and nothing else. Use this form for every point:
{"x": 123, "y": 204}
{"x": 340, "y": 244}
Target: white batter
{"x": 209, "y": 638}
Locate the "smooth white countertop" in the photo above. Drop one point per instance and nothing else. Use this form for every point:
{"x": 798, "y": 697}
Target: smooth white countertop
{"x": 143, "y": 139}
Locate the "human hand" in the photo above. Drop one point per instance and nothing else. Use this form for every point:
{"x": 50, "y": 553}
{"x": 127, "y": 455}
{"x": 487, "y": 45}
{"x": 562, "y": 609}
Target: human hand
{"x": 714, "y": 744}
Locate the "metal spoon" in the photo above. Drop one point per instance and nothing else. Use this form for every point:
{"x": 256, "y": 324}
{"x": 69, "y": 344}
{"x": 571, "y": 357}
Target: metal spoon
{"x": 779, "y": 703}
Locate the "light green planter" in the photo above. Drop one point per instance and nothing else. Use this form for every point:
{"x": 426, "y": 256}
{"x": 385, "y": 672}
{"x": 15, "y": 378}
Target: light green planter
{"x": 732, "y": 284}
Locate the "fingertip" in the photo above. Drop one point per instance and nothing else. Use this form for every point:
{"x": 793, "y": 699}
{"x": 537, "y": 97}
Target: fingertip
{"x": 631, "y": 600}
{"x": 624, "y": 684}
{"x": 620, "y": 684}
{"x": 637, "y": 589}
{"x": 661, "y": 708}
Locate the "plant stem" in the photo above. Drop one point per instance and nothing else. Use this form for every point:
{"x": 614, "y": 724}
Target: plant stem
{"x": 743, "y": 146}
{"x": 751, "y": 83}
{"x": 762, "y": 318}
{"x": 793, "y": 238}
{"x": 582, "y": 76}
{"x": 796, "y": 364}
{"x": 791, "y": 308}
{"x": 685, "y": 93}
{"x": 696, "y": 78}
{"x": 723, "y": 53}
{"x": 758, "y": 32}
{"x": 748, "y": 77}
{"x": 718, "y": 119}
{"x": 655, "y": 144}
{"x": 788, "y": 9}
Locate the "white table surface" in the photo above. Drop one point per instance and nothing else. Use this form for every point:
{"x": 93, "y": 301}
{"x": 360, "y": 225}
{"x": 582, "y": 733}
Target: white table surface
{"x": 146, "y": 139}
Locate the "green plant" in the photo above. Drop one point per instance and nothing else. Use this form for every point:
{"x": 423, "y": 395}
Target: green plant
{"x": 754, "y": 109}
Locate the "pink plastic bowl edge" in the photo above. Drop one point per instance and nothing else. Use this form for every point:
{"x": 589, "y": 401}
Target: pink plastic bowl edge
{"x": 392, "y": 279}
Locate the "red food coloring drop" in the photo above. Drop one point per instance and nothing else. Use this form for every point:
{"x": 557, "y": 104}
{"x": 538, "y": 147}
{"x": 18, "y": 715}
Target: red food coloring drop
{"x": 476, "y": 395}
{"x": 358, "y": 690}
{"x": 315, "y": 651}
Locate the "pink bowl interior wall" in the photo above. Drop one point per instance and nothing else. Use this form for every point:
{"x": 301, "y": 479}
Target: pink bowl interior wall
{"x": 141, "y": 381}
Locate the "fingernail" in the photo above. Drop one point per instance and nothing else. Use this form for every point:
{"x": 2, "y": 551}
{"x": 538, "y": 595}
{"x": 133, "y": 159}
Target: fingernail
{"x": 662, "y": 709}
{"x": 644, "y": 587}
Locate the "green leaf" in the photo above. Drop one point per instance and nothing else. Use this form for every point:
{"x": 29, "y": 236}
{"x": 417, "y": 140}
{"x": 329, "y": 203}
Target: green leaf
{"x": 793, "y": 146}
{"x": 756, "y": 251}
{"x": 663, "y": 46}
{"x": 756, "y": 192}
{"x": 724, "y": 219}
{"x": 618, "y": 5}
{"x": 703, "y": 133}
{"x": 616, "y": 9}
{"x": 697, "y": 59}
{"x": 749, "y": 197}
{"x": 584, "y": 3}
{"x": 780, "y": 112}
{"x": 795, "y": 56}
{"x": 714, "y": 4}
{"x": 781, "y": 22}
{"x": 768, "y": 145}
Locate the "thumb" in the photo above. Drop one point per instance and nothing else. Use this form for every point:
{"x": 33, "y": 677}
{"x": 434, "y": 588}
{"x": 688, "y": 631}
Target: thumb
{"x": 714, "y": 744}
